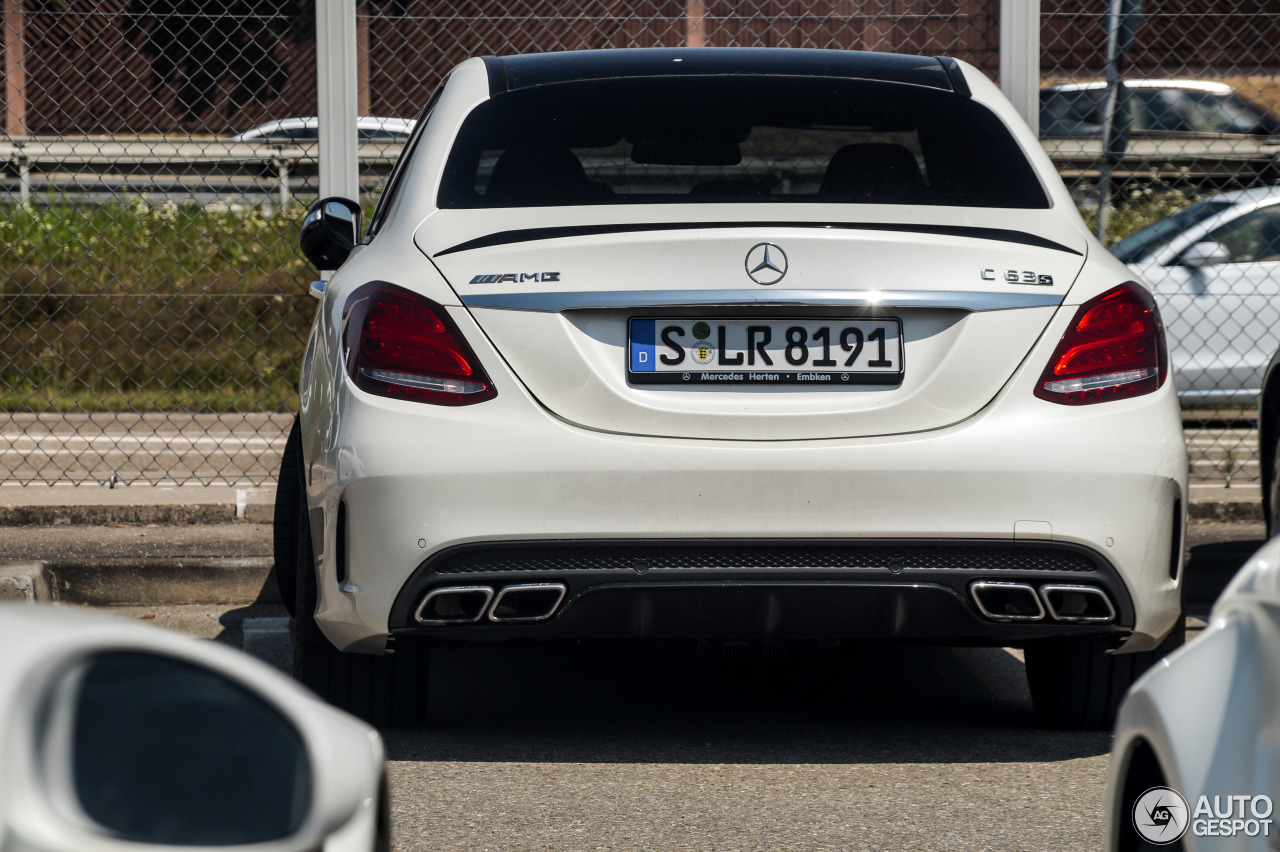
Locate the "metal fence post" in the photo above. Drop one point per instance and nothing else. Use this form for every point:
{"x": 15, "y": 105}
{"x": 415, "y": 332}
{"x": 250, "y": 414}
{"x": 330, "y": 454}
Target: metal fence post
{"x": 282, "y": 178}
{"x": 24, "y": 182}
{"x": 1020, "y": 58}
{"x": 336, "y": 64}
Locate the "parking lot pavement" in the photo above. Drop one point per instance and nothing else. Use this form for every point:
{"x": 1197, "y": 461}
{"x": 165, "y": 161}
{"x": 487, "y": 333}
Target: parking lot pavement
{"x": 878, "y": 746}
{"x": 618, "y": 747}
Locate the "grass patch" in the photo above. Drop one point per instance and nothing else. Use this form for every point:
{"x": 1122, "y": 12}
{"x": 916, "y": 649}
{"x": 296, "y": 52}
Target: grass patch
{"x": 151, "y": 308}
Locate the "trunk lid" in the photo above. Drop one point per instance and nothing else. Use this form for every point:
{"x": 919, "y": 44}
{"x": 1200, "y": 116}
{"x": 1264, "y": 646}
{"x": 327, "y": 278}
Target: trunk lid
{"x": 556, "y": 302}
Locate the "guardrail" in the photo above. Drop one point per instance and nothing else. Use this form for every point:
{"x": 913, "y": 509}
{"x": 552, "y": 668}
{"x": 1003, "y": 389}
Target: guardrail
{"x": 133, "y": 159}
{"x": 1227, "y": 158}
{"x": 126, "y": 162}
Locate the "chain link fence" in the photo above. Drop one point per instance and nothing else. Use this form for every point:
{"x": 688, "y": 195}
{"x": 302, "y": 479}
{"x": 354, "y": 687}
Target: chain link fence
{"x": 152, "y": 303}
{"x": 1195, "y": 209}
{"x": 158, "y": 155}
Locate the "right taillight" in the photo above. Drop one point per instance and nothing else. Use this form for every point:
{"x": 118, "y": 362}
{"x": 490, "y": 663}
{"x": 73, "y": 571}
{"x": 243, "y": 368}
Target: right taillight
{"x": 404, "y": 346}
{"x": 1113, "y": 349}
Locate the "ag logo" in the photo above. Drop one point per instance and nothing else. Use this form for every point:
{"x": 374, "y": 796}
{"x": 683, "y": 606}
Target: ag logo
{"x": 1160, "y": 816}
{"x": 766, "y": 263}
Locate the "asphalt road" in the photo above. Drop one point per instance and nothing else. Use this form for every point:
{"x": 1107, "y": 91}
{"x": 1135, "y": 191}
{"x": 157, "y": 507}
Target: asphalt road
{"x": 245, "y": 449}
{"x": 212, "y": 449}
{"x": 619, "y": 747}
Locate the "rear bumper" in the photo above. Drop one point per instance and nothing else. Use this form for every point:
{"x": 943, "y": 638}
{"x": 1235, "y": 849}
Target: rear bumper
{"x": 417, "y": 481}
{"x": 747, "y": 589}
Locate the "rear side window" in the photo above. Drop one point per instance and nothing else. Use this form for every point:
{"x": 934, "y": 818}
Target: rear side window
{"x": 735, "y": 139}
{"x": 1071, "y": 112}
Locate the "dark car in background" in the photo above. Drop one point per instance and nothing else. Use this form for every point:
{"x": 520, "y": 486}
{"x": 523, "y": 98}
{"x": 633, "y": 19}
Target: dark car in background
{"x": 1159, "y": 109}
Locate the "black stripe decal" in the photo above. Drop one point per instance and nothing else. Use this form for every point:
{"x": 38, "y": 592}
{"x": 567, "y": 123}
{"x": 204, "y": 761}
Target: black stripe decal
{"x": 525, "y": 235}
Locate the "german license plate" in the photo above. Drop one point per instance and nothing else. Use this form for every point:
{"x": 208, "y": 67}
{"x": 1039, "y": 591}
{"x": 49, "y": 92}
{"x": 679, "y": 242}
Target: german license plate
{"x": 817, "y": 352}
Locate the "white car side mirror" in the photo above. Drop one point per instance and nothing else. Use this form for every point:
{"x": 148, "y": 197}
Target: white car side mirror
{"x": 117, "y": 737}
{"x": 1208, "y": 253}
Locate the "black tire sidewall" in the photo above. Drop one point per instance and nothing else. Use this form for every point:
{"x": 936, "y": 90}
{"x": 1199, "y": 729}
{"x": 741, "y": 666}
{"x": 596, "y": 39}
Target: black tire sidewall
{"x": 284, "y": 528}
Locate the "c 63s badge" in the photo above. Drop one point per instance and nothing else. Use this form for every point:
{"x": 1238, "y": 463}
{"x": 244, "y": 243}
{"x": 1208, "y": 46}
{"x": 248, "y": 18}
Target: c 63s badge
{"x": 1017, "y": 276}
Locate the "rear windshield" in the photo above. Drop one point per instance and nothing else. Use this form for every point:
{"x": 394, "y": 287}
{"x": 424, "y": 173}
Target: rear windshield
{"x": 735, "y": 139}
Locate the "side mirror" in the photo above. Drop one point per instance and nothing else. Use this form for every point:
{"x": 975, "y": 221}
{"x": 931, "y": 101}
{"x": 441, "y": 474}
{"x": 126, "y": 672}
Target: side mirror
{"x": 1204, "y": 254}
{"x": 330, "y": 230}
{"x": 116, "y": 737}
{"x": 139, "y": 726}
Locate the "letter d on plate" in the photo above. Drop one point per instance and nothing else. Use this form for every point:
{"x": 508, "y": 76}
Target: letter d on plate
{"x": 641, "y": 345}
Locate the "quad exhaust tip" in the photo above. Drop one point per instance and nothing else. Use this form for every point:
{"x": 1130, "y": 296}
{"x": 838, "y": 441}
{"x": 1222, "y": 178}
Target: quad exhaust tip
{"x": 454, "y": 605}
{"x": 1007, "y": 601}
{"x": 1074, "y": 604}
{"x": 1079, "y": 604}
{"x": 527, "y": 602}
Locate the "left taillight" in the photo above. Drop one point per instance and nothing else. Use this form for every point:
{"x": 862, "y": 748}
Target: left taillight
{"x": 404, "y": 346}
{"x": 1113, "y": 349}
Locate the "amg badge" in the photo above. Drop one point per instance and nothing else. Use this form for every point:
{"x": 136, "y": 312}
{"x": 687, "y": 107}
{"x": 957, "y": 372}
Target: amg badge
{"x": 515, "y": 277}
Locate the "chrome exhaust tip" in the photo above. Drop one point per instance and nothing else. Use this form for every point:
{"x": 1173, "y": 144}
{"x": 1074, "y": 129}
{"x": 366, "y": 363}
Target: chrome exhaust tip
{"x": 527, "y": 602}
{"x": 454, "y": 605}
{"x": 1007, "y": 601}
{"x": 1079, "y": 604}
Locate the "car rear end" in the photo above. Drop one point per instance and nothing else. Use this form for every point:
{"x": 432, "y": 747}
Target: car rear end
{"x": 739, "y": 344}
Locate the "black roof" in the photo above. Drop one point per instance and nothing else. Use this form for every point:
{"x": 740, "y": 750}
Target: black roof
{"x": 509, "y": 73}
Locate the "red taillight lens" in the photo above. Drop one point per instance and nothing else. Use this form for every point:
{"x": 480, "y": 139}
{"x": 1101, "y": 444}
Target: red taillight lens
{"x": 404, "y": 346}
{"x": 1113, "y": 349}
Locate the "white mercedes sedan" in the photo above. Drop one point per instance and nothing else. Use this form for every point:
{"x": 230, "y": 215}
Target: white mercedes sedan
{"x": 737, "y": 344}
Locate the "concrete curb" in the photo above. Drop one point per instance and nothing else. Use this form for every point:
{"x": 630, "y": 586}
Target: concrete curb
{"x": 169, "y": 514}
{"x": 1225, "y": 510}
{"x": 157, "y": 582}
{"x": 24, "y": 581}
{"x": 142, "y": 582}
{"x": 191, "y": 514}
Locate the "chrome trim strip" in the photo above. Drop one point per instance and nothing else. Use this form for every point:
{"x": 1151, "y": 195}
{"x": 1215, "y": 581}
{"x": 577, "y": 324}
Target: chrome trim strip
{"x": 956, "y": 299}
{"x": 975, "y": 587}
{"x": 528, "y": 587}
{"x": 1078, "y": 619}
{"x": 487, "y": 591}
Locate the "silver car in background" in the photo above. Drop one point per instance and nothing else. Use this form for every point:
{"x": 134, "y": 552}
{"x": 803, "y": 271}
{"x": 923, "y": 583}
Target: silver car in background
{"x": 1195, "y": 752}
{"x": 1214, "y": 268}
{"x": 307, "y": 129}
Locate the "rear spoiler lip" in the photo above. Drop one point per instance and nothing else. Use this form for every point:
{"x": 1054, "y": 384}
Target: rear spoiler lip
{"x": 525, "y": 235}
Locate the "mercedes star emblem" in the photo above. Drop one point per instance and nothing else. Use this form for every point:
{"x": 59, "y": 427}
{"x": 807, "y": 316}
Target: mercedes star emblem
{"x": 766, "y": 263}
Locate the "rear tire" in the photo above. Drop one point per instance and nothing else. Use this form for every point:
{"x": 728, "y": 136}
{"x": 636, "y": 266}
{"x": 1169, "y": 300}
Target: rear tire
{"x": 1270, "y": 489}
{"x": 284, "y": 523}
{"x": 385, "y": 690}
{"x": 1076, "y": 684}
